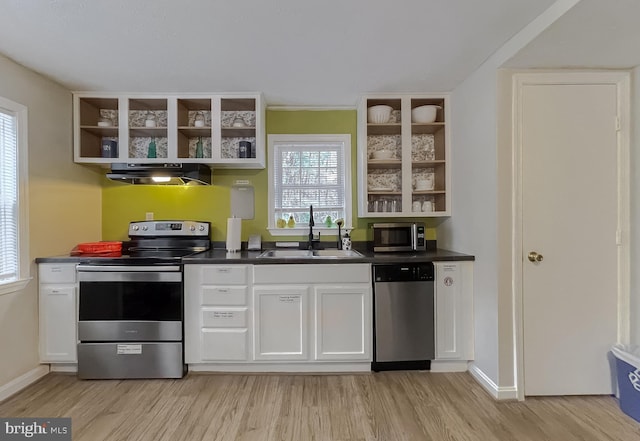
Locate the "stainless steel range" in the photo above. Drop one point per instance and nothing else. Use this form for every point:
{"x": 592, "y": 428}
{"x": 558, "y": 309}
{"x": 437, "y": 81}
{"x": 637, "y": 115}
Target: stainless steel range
{"x": 130, "y": 320}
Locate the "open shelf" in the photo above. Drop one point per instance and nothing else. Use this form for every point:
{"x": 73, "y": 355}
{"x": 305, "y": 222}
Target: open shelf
{"x": 419, "y": 150}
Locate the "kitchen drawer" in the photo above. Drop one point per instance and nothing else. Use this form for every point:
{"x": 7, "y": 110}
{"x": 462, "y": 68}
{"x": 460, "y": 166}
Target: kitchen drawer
{"x": 224, "y": 318}
{"x": 224, "y": 274}
{"x": 57, "y": 273}
{"x": 224, "y": 295}
{"x": 224, "y": 344}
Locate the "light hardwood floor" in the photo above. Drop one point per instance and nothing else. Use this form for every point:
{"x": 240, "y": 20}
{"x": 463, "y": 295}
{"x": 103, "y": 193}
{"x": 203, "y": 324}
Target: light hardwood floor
{"x": 391, "y": 406}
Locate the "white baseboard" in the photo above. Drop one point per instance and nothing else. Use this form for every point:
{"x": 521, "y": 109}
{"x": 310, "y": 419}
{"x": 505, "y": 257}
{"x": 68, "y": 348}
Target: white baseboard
{"x": 24, "y": 380}
{"x": 282, "y": 367}
{"x": 499, "y": 393}
{"x": 449, "y": 365}
{"x": 62, "y": 367}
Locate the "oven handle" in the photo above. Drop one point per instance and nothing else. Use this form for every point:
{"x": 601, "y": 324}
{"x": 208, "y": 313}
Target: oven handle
{"x": 128, "y": 268}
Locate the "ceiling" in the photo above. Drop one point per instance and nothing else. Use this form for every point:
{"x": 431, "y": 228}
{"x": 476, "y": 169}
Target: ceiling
{"x": 297, "y": 52}
{"x": 594, "y": 34}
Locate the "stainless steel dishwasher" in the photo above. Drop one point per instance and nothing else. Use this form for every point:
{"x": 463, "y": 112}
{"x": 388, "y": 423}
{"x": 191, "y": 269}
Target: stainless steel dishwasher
{"x": 404, "y": 331}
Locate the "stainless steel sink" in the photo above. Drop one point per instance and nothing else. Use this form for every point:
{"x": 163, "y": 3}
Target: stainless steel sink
{"x": 287, "y": 254}
{"x": 308, "y": 254}
{"x": 338, "y": 254}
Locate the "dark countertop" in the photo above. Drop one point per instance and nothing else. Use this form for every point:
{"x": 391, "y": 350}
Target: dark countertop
{"x": 220, "y": 256}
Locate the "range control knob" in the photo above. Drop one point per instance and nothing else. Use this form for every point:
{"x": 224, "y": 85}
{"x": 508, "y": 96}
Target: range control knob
{"x": 145, "y": 228}
{"x": 192, "y": 228}
{"x": 201, "y": 228}
{"x": 135, "y": 228}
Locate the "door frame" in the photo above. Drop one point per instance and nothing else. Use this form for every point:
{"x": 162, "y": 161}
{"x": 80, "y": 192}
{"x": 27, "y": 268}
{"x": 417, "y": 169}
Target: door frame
{"x": 621, "y": 79}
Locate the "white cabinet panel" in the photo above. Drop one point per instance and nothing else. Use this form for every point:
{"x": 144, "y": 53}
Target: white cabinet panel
{"x": 312, "y": 273}
{"x": 280, "y": 323}
{"x": 454, "y": 306}
{"x": 224, "y": 344}
{"x": 224, "y": 295}
{"x": 57, "y": 273}
{"x": 342, "y": 322}
{"x": 224, "y": 317}
{"x": 224, "y": 274}
{"x": 58, "y": 335}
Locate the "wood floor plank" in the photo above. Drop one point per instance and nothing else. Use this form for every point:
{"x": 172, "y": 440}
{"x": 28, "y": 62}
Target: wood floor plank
{"x": 390, "y": 406}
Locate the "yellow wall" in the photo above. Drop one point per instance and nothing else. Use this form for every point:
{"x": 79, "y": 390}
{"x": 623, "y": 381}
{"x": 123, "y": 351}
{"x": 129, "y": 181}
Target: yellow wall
{"x": 64, "y": 205}
{"x": 123, "y": 203}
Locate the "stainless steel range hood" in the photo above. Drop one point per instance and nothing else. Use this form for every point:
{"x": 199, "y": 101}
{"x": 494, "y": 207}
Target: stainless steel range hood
{"x": 161, "y": 174}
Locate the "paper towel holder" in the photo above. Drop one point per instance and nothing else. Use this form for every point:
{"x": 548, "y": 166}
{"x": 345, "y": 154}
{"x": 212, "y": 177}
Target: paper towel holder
{"x": 242, "y": 199}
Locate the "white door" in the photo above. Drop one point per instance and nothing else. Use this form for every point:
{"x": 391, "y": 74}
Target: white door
{"x": 343, "y": 322}
{"x": 280, "y": 323}
{"x": 569, "y": 151}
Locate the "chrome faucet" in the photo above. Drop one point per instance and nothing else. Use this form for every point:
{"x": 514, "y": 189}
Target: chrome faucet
{"x": 312, "y": 240}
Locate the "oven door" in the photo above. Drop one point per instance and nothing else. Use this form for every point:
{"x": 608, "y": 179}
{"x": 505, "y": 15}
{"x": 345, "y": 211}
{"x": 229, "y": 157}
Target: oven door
{"x": 130, "y": 303}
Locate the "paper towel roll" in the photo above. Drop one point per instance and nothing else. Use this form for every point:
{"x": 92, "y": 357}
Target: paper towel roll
{"x": 234, "y": 231}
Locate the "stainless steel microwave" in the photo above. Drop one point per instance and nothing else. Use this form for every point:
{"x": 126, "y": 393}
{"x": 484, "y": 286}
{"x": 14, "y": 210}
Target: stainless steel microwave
{"x": 398, "y": 236}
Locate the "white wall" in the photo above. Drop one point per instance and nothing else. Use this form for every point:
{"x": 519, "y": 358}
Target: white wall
{"x": 64, "y": 205}
{"x": 635, "y": 206}
{"x": 473, "y": 226}
{"x": 481, "y": 215}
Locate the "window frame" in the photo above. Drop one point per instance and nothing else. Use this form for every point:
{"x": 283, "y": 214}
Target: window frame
{"x": 301, "y": 230}
{"x": 21, "y": 113}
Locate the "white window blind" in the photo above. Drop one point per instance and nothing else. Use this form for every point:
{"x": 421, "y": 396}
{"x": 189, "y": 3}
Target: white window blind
{"x": 8, "y": 197}
{"x": 310, "y": 173}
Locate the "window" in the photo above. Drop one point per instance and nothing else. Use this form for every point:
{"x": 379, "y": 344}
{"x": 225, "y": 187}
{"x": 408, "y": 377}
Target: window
{"x": 14, "y": 261}
{"x": 309, "y": 170}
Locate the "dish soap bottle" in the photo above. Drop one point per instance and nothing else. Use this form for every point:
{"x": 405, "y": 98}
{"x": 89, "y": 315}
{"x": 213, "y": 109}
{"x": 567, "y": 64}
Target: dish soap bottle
{"x": 151, "y": 153}
{"x": 346, "y": 241}
{"x": 199, "y": 150}
{"x": 291, "y": 223}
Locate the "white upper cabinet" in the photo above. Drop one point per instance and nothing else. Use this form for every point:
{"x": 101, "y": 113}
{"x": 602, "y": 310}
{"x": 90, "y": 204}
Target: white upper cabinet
{"x": 225, "y": 131}
{"x": 404, "y": 156}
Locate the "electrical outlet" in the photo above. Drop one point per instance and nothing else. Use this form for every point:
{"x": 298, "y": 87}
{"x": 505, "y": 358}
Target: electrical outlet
{"x": 149, "y": 215}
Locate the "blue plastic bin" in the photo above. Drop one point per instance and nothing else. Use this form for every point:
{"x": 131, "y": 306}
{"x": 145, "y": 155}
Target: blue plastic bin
{"x": 628, "y": 374}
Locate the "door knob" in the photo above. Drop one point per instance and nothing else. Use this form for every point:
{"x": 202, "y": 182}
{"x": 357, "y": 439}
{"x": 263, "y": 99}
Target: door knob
{"x": 535, "y": 257}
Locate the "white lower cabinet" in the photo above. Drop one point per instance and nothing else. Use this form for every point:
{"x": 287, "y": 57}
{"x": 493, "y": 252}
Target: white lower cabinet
{"x": 342, "y": 317}
{"x": 454, "y": 310}
{"x": 224, "y": 344}
{"x": 278, "y": 317}
{"x": 281, "y": 319}
{"x": 217, "y": 319}
{"x": 309, "y": 319}
{"x": 58, "y": 312}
